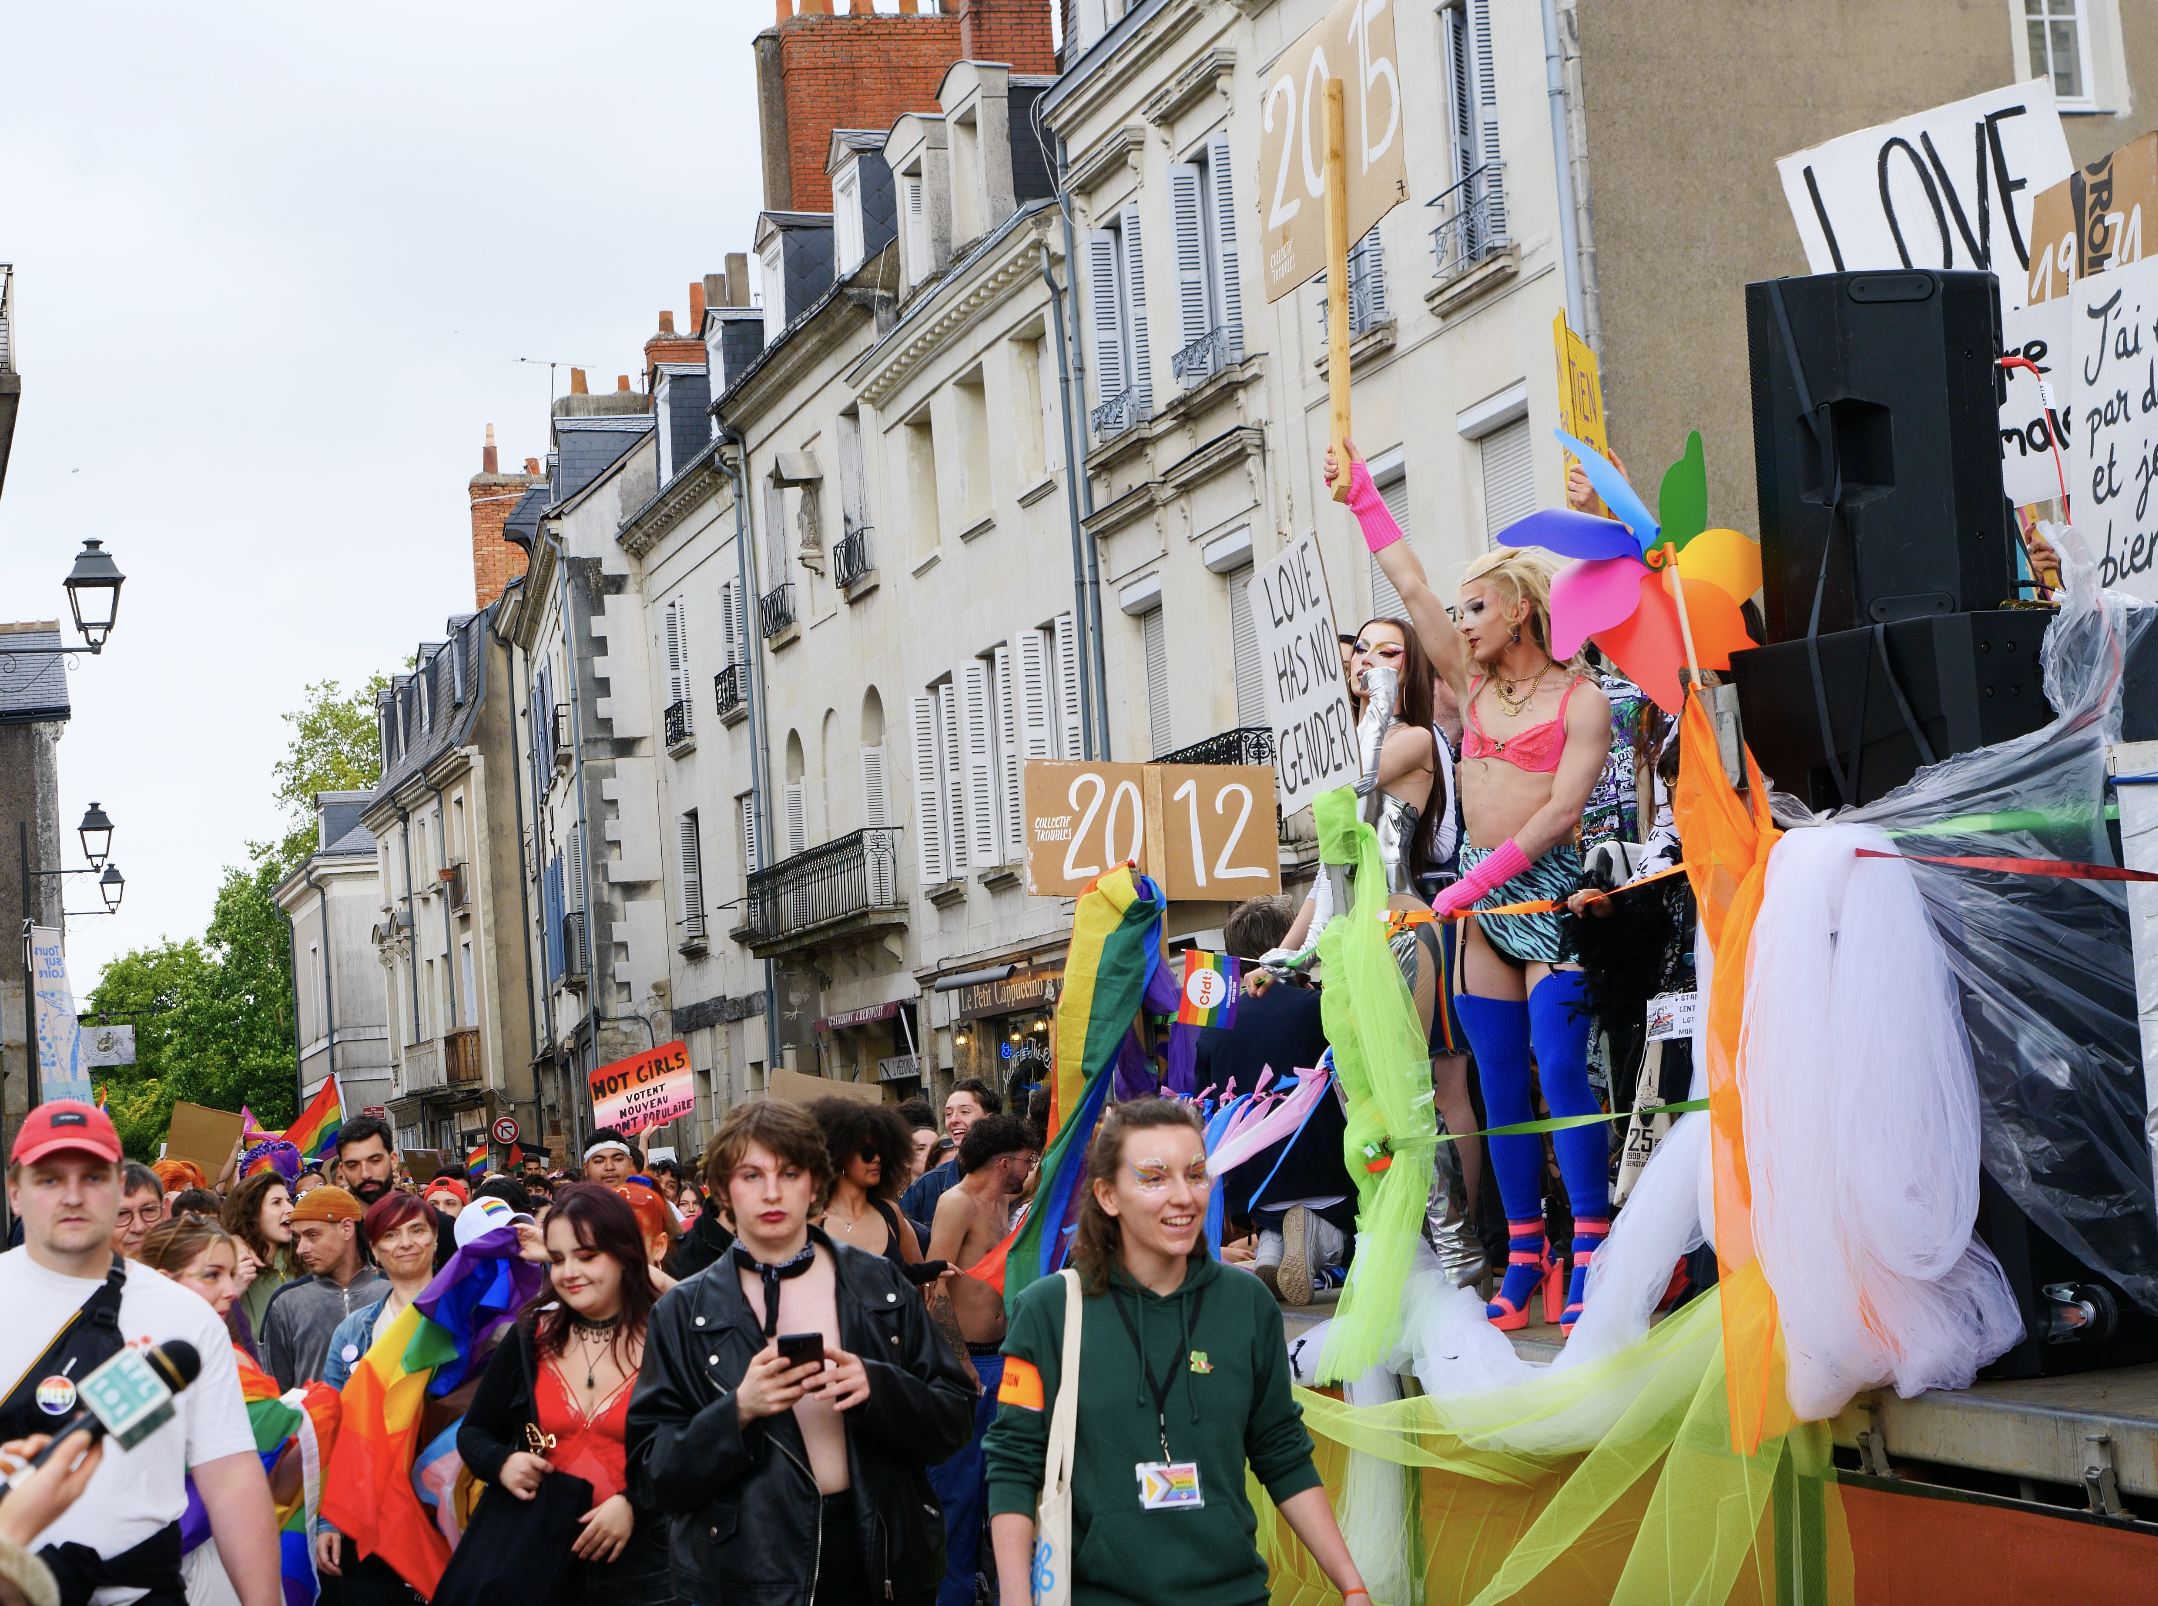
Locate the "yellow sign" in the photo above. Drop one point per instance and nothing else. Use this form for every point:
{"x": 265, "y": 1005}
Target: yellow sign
{"x": 1204, "y": 831}
{"x": 1581, "y": 397}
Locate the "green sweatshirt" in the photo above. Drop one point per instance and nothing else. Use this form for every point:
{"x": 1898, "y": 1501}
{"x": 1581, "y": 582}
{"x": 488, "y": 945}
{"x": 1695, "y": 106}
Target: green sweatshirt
{"x": 1228, "y": 1404}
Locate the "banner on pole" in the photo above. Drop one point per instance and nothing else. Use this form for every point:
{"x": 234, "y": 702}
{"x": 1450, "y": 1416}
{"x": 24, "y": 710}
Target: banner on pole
{"x": 61, "y": 1073}
{"x": 648, "y": 1089}
{"x": 109, "y": 1045}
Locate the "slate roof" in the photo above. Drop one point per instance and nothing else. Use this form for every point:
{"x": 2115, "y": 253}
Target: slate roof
{"x": 32, "y": 689}
{"x": 359, "y": 841}
{"x": 586, "y": 448}
{"x": 455, "y": 685}
{"x": 521, "y": 528}
{"x": 689, "y": 393}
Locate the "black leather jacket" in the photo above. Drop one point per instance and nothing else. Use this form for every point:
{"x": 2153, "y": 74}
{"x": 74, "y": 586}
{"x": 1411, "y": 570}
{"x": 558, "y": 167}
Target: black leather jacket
{"x": 743, "y": 1506}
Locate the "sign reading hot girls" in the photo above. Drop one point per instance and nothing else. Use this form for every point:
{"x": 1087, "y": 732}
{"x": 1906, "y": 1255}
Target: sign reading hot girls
{"x": 1307, "y": 700}
{"x": 648, "y": 1089}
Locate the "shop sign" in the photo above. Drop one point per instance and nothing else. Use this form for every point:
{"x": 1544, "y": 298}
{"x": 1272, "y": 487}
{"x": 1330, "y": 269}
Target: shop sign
{"x": 1034, "y": 989}
{"x": 854, "y": 1017}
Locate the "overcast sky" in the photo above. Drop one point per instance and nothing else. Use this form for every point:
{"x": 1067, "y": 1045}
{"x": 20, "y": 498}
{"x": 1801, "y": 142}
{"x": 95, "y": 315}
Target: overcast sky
{"x": 274, "y": 265}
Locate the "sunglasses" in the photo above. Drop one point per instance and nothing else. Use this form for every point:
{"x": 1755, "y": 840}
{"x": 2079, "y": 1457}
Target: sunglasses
{"x": 869, "y": 1152}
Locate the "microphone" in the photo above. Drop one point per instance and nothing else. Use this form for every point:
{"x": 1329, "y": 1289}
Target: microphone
{"x": 129, "y": 1397}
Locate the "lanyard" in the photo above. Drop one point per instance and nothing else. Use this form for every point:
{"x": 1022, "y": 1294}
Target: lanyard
{"x": 1159, "y": 1386}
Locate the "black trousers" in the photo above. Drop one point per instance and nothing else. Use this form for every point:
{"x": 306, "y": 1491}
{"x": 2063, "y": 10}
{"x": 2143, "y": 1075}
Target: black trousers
{"x": 840, "y": 1579}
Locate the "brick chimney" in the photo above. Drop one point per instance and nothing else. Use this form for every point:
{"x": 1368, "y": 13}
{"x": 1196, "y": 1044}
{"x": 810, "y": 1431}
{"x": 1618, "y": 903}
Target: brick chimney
{"x": 817, "y": 71}
{"x": 494, "y": 495}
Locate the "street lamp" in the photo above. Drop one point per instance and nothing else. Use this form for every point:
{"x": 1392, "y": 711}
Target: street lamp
{"x": 113, "y": 886}
{"x": 96, "y": 834}
{"x": 93, "y": 593}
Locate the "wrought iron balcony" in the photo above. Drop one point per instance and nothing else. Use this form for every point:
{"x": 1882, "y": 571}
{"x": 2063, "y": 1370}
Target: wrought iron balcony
{"x": 832, "y": 890}
{"x": 677, "y": 718}
{"x": 1117, "y": 414}
{"x": 1247, "y": 744}
{"x": 852, "y": 558}
{"x": 1206, "y": 357}
{"x": 1367, "y": 289}
{"x": 1472, "y": 222}
{"x": 576, "y": 962}
{"x": 775, "y": 609}
{"x": 563, "y": 746}
{"x": 727, "y": 689}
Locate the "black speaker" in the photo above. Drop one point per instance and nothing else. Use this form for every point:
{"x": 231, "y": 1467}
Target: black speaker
{"x": 1876, "y": 424}
{"x": 2074, "y": 1319}
{"x": 1967, "y": 679}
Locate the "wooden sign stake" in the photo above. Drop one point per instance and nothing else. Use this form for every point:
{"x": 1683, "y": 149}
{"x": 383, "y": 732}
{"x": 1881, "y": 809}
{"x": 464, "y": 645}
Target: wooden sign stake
{"x": 1678, "y": 595}
{"x": 1337, "y": 279}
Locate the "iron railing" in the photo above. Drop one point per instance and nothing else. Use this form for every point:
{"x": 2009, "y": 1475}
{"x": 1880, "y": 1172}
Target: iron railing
{"x": 853, "y": 875}
{"x": 461, "y": 1054}
{"x": 677, "y": 717}
{"x": 562, "y": 743}
{"x": 576, "y": 963}
{"x": 1246, "y": 744}
{"x": 1118, "y": 413}
{"x": 852, "y": 558}
{"x": 1206, "y": 356}
{"x": 1367, "y": 290}
{"x": 7, "y": 317}
{"x": 1472, "y": 220}
{"x": 775, "y": 609}
{"x": 727, "y": 689}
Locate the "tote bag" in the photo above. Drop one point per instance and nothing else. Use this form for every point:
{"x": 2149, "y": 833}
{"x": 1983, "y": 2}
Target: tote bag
{"x": 1053, "y": 1515}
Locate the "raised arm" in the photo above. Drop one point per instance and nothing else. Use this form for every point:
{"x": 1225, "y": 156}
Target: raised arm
{"x": 1434, "y": 626}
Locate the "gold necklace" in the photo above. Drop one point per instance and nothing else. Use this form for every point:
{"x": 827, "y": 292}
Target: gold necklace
{"x": 1513, "y": 702}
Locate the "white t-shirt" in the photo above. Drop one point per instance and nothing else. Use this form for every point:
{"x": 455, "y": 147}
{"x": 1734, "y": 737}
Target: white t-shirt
{"x": 134, "y": 1492}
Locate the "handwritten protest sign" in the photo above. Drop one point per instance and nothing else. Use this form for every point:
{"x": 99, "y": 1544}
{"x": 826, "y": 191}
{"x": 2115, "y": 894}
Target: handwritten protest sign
{"x": 2115, "y": 402}
{"x": 648, "y": 1089}
{"x": 1951, "y": 188}
{"x": 1307, "y": 702}
{"x": 2094, "y": 219}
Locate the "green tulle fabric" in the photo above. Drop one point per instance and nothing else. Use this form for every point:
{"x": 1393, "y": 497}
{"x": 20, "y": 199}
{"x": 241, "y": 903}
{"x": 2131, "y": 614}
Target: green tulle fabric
{"x": 1381, "y": 1057}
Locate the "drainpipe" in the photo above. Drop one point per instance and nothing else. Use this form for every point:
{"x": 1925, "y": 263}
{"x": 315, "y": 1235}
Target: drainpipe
{"x": 533, "y": 1016}
{"x": 1075, "y": 407}
{"x": 329, "y": 980}
{"x": 1074, "y": 471}
{"x": 1561, "y": 161}
{"x": 760, "y": 757}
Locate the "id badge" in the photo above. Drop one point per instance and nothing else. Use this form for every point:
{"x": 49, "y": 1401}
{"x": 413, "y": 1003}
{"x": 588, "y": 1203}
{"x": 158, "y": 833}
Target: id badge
{"x": 1169, "y": 1486}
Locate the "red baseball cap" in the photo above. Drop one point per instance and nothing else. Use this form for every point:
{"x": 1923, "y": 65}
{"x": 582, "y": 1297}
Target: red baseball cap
{"x": 65, "y": 1124}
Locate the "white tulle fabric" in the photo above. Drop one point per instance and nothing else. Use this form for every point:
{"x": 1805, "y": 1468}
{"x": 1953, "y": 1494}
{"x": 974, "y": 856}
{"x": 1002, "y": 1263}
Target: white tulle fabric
{"x": 1375, "y": 1502}
{"x": 1862, "y": 1130}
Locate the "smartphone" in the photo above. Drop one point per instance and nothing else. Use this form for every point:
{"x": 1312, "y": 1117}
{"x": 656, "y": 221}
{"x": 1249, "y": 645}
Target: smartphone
{"x": 801, "y": 1349}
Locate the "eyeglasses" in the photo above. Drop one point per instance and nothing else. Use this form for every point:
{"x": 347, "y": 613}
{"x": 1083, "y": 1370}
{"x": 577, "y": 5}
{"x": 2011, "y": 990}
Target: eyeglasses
{"x": 148, "y": 1215}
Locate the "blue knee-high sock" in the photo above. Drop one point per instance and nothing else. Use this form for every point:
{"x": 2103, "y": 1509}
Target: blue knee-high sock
{"x": 1559, "y": 1028}
{"x": 1498, "y": 1031}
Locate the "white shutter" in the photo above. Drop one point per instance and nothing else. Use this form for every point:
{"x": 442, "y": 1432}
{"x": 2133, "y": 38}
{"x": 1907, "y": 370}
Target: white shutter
{"x": 1386, "y": 600}
{"x": 1156, "y": 636}
{"x": 1068, "y": 710}
{"x": 928, "y": 808}
{"x": 1052, "y": 394}
{"x": 1230, "y": 284}
{"x": 727, "y": 624}
{"x": 853, "y": 474}
{"x": 1105, "y": 316}
{"x": 775, "y": 540}
{"x": 1509, "y": 478}
{"x": 677, "y": 656}
{"x": 1374, "y": 265}
{"x": 1142, "y": 366}
{"x": 1487, "y": 110}
{"x": 692, "y": 877}
{"x": 1244, "y": 650}
{"x": 797, "y": 805}
{"x": 952, "y": 776}
{"x": 751, "y": 858}
{"x": 1037, "y": 722}
{"x": 877, "y": 815}
{"x": 1009, "y": 776}
{"x": 742, "y": 637}
{"x": 1187, "y": 222}
{"x": 977, "y": 742}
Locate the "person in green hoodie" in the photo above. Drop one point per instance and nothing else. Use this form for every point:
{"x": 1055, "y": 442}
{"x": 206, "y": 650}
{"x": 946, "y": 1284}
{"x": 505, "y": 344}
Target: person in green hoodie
{"x": 1184, "y": 1379}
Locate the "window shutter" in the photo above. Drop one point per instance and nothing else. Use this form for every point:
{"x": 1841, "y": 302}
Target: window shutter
{"x": 877, "y": 816}
{"x": 726, "y": 624}
{"x": 692, "y": 877}
{"x": 551, "y": 912}
{"x": 1156, "y": 636}
{"x": 752, "y": 855}
{"x": 576, "y": 868}
{"x": 775, "y": 540}
{"x": 1375, "y": 276}
{"x": 1186, "y": 219}
{"x": 1068, "y": 710}
{"x": 1037, "y": 724}
{"x": 928, "y": 809}
{"x": 975, "y": 731}
{"x": 1386, "y": 600}
{"x": 1105, "y": 316}
{"x": 1460, "y": 89}
{"x": 952, "y": 774}
{"x": 1244, "y": 651}
{"x": 1142, "y": 366}
{"x": 1010, "y": 776}
{"x": 1509, "y": 478}
{"x": 1052, "y": 394}
{"x": 1219, "y": 168}
{"x": 797, "y": 818}
{"x": 742, "y": 600}
{"x": 1487, "y": 108}
{"x": 671, "y": 619}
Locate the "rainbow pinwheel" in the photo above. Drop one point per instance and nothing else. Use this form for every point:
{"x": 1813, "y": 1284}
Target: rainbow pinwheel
{"x": 1618, "y": 591}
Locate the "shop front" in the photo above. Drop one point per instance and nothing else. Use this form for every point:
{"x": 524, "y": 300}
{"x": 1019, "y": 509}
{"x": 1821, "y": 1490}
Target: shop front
{"x": 1001, "y": 1031}
{"x": 874, "y": 1043}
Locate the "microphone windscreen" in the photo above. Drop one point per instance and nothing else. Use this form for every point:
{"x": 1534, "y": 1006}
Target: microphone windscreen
{"x": 177, "y": 1362}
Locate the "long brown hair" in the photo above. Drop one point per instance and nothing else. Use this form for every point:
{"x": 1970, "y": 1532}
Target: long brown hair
{"x": 178, "y": 1242}
{"x": 1417, "y": 708}
{"x": 243, "y": 1219}
{"x": 1100, "y": 1236}
{"x": 602, "y": 1220}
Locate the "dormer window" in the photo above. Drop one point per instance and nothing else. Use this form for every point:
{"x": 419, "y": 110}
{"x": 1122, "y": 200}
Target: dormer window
{"x": 847, "y": 217}
{"x": 773, "y": 284}
{"x": 916, "y": 220}
{"x": 663, "y": 408}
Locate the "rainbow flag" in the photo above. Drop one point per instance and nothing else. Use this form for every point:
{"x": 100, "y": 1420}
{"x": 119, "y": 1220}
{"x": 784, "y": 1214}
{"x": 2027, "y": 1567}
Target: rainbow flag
{"x": 476, "y": 1161}
{"x": 304, "y": 1420}
{"x": 315, "y": 1132}
{"x": 1209, "y": 993}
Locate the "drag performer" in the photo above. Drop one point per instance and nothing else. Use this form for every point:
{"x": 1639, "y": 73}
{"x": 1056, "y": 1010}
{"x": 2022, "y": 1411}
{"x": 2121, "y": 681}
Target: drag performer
{"x": 1537, "y": 735}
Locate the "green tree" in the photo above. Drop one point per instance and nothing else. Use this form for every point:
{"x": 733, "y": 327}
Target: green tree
{"x": 336, "y": 747}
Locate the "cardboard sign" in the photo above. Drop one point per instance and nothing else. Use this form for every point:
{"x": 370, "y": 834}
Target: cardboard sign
{"x": 108, "y": 1045}
{"x": 797, "y": 1088}
{"x": 1201, "y": 830}
{"x": 2114, "y": 397}
{"x": 1672, "y": 1015}
{"x": 648, "y": 1089}
{"x": 1355, "y": 43}
{"x": 423, "y": 1165}
{"x": 2094, "y": 219}
{"x": 1307, "y": 702}
{"x": 1581, "y": 398}
{"x": 202, "y": 1135}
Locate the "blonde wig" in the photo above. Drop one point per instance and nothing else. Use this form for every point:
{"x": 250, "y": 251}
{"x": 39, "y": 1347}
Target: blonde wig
{"x": 1523, "y": 574}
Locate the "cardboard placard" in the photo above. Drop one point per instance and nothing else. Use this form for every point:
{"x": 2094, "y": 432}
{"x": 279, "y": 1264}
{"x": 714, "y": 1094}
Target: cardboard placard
{"x": 796, "y": 1088}
{"x": 203, "y": 1135}
{"x": 648, "y": 1089}
{"x": 2114, "y": 397}
{"x": 1199, "y": 829}
{"x": 1355, "y": 43}
{"x": 1581, "y": 398}
{"x": 2094, "y": 219}
{"x": 1307, "y": 701}
{"x": 423, "y": 1165}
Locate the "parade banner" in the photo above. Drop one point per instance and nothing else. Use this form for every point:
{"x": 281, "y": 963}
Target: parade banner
{"x": 1201, "y": 830}
{"x": 648, "y": 1089}
{"x": 108, "y": 1046}
{"x": 2113, "y": 396}
{"x": 62, "y": 1073}
{"x": 1307, "y": 701}
{"x": 1355, "y": 43}
{"x": 1952, "y": 188}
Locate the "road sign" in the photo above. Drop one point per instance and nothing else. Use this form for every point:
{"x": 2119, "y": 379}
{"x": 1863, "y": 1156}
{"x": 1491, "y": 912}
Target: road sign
{"x": 505, "y": 1129}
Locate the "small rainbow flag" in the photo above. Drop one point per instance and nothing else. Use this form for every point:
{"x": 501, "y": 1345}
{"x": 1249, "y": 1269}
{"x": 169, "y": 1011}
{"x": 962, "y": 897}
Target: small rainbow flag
{"x": 1209, "y": 993}
{"x": 476, "y": 1161}
{"x": 314, "y": 1132}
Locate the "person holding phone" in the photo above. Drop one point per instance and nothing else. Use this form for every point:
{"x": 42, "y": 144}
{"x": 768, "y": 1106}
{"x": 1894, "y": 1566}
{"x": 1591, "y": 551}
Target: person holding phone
{"x": 792, "y": 1394}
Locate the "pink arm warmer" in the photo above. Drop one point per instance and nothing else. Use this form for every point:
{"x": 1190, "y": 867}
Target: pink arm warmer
{"x": 1502, "y": 866}
{"x": 1370, "y": 509}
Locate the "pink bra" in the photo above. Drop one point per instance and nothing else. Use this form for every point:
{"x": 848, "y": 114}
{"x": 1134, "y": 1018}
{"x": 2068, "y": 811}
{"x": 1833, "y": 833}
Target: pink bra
{"x": 1536, "y": 749}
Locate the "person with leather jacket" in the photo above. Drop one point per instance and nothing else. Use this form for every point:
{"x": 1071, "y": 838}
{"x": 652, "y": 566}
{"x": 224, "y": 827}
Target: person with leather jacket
{"x": 795, "y": 1481}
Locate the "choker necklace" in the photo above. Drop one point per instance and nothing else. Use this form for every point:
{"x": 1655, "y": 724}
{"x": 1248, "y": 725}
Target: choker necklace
{"x": 587, "y": 1324}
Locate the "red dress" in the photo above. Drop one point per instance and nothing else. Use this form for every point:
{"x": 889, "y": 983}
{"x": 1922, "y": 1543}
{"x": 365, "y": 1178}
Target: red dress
{"x": 587, "y": 1448}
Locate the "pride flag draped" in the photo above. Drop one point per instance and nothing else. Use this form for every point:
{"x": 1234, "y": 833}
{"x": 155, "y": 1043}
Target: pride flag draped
{"x": 1105, "y": 979}
{"x": 302, "y": 1422}
{"x": 317, "y": 1127}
